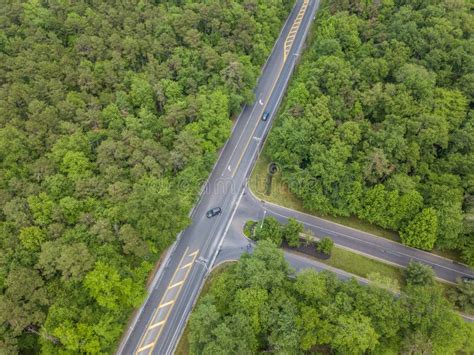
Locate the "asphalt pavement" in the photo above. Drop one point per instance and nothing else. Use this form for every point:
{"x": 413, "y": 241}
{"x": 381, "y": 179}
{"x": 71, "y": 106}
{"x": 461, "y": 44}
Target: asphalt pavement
{"x": 160, "y": 321}
{"x": 375, "y": 247}
{"x": 251, "y": 208}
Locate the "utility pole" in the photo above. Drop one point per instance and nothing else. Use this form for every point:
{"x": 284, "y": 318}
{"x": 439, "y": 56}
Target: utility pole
{"x": 264, "y": 213}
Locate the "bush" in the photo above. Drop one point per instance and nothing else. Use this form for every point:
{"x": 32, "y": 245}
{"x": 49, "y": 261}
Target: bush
{"x": 419, "y": 274}
{"x": 325, "y": 245}
{"x": 384, "y": 282}
{"x": 269, "y": 229}
{"x": 463, "y": 296}
{"x": 291, "y": 232}
{"x": 249, "y": 229}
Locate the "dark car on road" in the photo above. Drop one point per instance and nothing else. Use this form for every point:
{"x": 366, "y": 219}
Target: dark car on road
{"x": 265, "y": 116}
{"x": 214, "y": 212}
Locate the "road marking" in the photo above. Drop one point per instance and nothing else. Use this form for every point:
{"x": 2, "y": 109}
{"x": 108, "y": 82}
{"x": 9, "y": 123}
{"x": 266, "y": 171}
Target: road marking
{"x": 187, "y": 265}
{"x": 176, "y": 284}
{"x": 146, "y": 347}
{"x": 294, "y": 29}
{"x": 166, "y": 304}
{"x": 287, "y": 47}
{"x": 242, "y": 133}
{"x": 158, "y": 278}
{"x": 256, "y": 124}
{"x": 162, "y": 312}
{"x": 157, "y": 324}
{"x": 378, "y": 246}
{"x": 194, "y": 253}
{"x": 354, "y": 229}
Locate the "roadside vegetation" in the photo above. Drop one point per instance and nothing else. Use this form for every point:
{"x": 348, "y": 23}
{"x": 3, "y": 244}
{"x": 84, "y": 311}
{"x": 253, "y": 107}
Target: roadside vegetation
{"x": 111, "y": 115}
{"x": 183, "y": 346}
{"x": 324, "y": 250}
{"x": 292, "y": 237}
{"x": 378, "y": 124}
{"x": 260, "y": 305}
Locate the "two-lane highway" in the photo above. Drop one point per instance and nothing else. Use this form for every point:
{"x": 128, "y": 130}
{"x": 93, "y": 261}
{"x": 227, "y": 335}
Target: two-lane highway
{"x": 160, "y": 321}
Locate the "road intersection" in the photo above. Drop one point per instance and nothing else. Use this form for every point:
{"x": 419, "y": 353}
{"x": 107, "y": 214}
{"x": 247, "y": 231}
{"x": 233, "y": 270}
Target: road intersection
{"x": 369, "y": 245}
{"x": 372, "y": 246}
{"x": 159, "y": 322}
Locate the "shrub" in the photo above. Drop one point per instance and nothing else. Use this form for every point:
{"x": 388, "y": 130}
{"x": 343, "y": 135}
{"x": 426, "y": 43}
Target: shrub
{"x": 419, "y": 274}
{"x": 325, "y": 245}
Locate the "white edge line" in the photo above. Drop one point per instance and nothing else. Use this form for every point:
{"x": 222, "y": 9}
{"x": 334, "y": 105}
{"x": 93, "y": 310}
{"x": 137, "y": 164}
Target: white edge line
{"x": 373, "y": 244}
{"x": 171, "y": 250}
{"x": 354, "y": 229}
{"x": 211, "y": 264}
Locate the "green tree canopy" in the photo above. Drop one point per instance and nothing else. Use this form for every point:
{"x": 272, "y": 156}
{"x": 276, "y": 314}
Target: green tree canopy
{"x": 419, "y": 274}
{"x": 260, "y": 305}
{"x": 377, "y": 122}
{"x": 421, "y": 231}
{"x": 111, "y": 116}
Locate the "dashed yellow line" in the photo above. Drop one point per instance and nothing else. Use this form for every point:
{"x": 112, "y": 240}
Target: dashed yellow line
{"x": 176, "y": 284}
{"x": 294, "y": 29}
{"x": 286, "y": 49}
{"x": 165, "y": 304}
{"x": 165, "y": 307}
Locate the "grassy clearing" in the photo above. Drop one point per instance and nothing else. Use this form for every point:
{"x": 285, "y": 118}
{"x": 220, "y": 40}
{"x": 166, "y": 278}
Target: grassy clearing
{"x": 362, "y": 266}
{"x": 280, "y": 193}
{"x": 183, "y": 345}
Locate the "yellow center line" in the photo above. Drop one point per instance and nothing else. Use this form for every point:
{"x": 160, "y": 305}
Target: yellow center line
{"x": 162, "y": 305}
{"x": 295, "y": 27}
{"x": 156, "y": 310}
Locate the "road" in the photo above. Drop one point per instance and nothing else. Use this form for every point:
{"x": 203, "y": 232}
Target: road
{"x": 357, "y": 241}
{"x": 251, "y": 208}
{"x": 160, "y": 321}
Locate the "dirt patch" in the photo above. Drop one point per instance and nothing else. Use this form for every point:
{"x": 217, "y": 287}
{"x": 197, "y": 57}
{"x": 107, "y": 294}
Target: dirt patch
{"x": 306, "y": 248}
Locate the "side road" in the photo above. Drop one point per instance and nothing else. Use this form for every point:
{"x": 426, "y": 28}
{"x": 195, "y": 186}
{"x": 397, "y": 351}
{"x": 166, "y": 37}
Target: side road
{"x": 160, "y": 321}
{"x": 360, "y": 242}
{"x": 235, "y": 243}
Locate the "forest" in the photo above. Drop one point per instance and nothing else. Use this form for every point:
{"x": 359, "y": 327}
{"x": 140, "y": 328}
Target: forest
{"x": 259, "y": 305}
{"x": 111, "y": 114}
{"x": 378, "y": 121}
